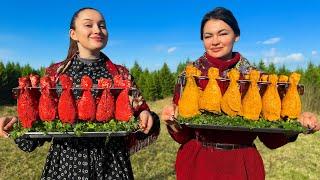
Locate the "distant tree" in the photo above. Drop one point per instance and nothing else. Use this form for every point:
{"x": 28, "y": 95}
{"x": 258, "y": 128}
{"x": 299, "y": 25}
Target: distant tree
{"x": 156, "y": 88}
{"x": 272, "y": 68}
{"x": 152, "y": 88}
{"x": 311, "y": 81}
{"x": 13, "y": 71}
{"x": 312, "y": 74}
{"x": 41, "y": 71}
{"x": 3, "y": 84}
{"x": 182, "y": 66}
{"x": 166, "y": 81}
{"x": 142, "y": 83}
{"x": 147, "y": 94}
{"x": 26, "y": 70}
{"x": 300, "y": 71}
{"x": 254, "y": 64}
{"x": 262, "y": 66}
{"x": 136, "y": 71}
{"x": 283, "y": 70}
{"x": 3, "y": 76}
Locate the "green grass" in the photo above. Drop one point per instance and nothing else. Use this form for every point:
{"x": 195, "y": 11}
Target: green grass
{"x": 294, "y": 161}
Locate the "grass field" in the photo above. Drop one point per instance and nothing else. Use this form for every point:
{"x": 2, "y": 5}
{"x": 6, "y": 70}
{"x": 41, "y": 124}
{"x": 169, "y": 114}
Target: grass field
{"x": 294, "y": 161}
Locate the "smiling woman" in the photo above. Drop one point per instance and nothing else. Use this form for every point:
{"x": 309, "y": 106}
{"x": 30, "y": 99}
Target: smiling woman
{"x": 89, "y": 33}
{"x": 91, "y": 158}
{"x": 219, "y": 32}
{"x": 218, "y": 39}
{"x": 219, "y": 154}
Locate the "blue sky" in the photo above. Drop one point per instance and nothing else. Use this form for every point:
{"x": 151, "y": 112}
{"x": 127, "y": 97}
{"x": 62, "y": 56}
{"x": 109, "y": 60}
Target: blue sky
{"x": 158, "y": 31}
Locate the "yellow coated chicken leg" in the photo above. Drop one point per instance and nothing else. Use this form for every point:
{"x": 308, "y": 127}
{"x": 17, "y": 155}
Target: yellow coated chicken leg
{"x": 231, "y": 100}
{"x": 291, "y": 103}
{"x": 252, "y": 103}
{"x": 271, "y": 103}
{"x": 189, "y": 101}
{"x": 211, "y": 97}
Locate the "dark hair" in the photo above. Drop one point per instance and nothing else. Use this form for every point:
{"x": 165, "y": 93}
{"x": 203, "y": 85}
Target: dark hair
{"x": 73, "y": 47}
{"x": 224, "y": 15}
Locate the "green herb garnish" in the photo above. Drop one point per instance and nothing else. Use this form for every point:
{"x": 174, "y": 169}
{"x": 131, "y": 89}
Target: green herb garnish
{"x": 78, "y": 128}
{"x": 224, "y": 120}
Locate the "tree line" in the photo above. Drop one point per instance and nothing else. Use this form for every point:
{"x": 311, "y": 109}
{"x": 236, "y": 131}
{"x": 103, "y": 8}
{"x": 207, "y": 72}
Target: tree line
{"x": 9, "y": 74}
{"x": 160, "y": 83}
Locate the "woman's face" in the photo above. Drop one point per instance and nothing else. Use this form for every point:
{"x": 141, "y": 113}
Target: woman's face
{"x": 218, "y": 39}
{"x": 90, "y": 31}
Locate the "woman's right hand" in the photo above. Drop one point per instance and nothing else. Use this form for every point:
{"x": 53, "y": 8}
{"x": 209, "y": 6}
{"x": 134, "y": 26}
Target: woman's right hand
{"x": 169, "y": 115}
{"x": 6, "y": 124}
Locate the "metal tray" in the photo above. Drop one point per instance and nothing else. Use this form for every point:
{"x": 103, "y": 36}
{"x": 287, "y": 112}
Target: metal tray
{"x": 73, "y": 135}
{"x": 241, "y": 128}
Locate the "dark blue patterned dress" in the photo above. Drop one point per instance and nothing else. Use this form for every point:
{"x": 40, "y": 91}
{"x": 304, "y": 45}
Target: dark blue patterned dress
{"x": 86, "y": 158}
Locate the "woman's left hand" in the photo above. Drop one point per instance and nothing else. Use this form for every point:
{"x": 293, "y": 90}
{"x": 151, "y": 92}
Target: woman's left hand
{"x": 146, "y": 121}
{"x": 309, "y": 120}
{"x": 6, "y": 124}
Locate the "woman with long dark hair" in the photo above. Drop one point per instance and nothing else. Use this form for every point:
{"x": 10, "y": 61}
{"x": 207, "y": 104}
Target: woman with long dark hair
{"x": 221, "y": 154}
{"x": 91, "y": 158}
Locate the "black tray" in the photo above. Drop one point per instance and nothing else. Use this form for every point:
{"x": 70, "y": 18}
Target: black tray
{"x": 241, "y": 128}
{"x": 72, "y": 134}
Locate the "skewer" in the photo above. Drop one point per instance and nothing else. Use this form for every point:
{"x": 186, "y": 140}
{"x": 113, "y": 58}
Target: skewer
{"x": 16, "y": 90}
{"x": 241, "y": 80}
{"x": 74, "y": 88}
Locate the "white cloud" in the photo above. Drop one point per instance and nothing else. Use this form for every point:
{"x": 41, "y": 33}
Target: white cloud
{"x": 294, "y": 57}
{"x": 172, "y": 49}
{"x": 271, "y": 53}
{"x": 314, "y": 52}
{"x": 270, "y": 41}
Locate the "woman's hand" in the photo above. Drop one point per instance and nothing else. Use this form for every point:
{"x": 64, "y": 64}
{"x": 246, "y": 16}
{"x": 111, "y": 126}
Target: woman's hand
{"x": 6, "y": 124}
{"x": 146, "y": 121}
{"x": 169, "y": 115}
{"x": 309, "y": 120}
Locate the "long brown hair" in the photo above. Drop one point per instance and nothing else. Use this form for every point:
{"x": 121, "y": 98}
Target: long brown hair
{"x": 73, "y": 46}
